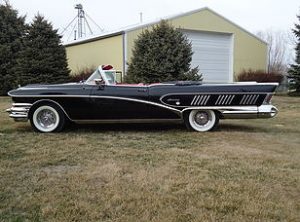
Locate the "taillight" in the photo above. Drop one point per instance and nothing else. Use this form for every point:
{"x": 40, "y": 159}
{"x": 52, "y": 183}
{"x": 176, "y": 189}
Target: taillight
{"x": 268, "y": 98}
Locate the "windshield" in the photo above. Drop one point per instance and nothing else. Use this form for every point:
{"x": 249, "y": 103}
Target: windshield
{"x": 109, "y": 77}
{"x": 93, "y": 77}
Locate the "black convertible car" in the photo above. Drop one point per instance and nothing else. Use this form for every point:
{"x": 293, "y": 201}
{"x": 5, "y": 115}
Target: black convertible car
{"x": 101, "y": 100}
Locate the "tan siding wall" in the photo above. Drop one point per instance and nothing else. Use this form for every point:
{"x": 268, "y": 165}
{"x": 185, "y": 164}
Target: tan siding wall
{"x": 249, "y": 52}
{"x": 93, "y": 54}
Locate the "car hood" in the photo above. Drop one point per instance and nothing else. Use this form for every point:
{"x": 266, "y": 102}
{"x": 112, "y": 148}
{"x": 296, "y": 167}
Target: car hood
{"x": 42, "y": 89}
{"x": 47, "y": 86}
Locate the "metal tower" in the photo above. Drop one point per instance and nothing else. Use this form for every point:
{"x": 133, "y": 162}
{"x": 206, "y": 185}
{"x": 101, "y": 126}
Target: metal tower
{"x": 80, "y": 23}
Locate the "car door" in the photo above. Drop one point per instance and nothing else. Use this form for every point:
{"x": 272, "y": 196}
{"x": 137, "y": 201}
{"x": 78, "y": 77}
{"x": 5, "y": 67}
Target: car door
{"x": 113, "y": 102}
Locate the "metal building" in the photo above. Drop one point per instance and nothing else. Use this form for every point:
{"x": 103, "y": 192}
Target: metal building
{"x": 221, "y": 48}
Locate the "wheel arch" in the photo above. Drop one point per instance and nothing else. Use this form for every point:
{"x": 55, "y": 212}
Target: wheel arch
{"x": 46, "y": 101}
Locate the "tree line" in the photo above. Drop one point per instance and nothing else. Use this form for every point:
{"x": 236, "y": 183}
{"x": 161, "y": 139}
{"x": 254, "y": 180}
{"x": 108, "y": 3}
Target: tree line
{"x": 29, "y": 53}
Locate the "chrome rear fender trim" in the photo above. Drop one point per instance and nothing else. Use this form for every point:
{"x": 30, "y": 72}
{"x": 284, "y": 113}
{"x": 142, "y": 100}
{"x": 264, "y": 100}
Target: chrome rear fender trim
{"x": 242, "y": 112}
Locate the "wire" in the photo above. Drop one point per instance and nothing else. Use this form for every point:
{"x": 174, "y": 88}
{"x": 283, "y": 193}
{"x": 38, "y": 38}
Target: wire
{"x": 68, "y": 25}
{"x": 101, "y": 29}
{"x": 88, "y": 25}
{"x": 72, "y": 32}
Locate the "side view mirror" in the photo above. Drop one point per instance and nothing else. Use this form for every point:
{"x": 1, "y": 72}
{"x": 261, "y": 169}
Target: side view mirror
{"x": 100, "y": 83}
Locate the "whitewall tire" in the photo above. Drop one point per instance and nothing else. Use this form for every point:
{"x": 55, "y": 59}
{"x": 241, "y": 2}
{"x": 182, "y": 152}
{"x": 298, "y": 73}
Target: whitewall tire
{"x": 47, "y": 118}
{"x": 201, "y": 120}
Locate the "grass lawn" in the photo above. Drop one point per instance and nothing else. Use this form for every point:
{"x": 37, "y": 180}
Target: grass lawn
{"x": 248, "y": 170}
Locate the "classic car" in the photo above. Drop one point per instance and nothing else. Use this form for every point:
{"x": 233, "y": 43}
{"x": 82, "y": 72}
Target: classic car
{"x": 100, "y": 99}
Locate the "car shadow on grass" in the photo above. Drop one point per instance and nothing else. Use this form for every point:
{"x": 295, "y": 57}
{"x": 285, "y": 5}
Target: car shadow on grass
{"x": 142, "y": 127}
{"x": 128, "y": 127}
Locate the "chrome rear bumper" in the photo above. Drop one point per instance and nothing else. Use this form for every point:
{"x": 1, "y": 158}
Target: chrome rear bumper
{"x": 263, "y": 111}
{"x": 19, "y": 111}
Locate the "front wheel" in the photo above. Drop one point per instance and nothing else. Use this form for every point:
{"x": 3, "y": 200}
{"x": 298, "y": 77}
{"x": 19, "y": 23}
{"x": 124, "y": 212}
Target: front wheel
{"x": 47, "y": 118}
{"x": 201, "y": 120}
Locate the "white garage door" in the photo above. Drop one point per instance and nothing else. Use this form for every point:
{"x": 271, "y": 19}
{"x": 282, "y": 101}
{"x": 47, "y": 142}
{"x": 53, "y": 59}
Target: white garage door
{"x": 213, "y": 55}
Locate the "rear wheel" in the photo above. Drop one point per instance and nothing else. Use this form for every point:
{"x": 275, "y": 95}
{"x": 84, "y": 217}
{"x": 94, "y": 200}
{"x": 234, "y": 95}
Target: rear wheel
{"x": 201, "y": 120}
{"x": 47, "y": 118}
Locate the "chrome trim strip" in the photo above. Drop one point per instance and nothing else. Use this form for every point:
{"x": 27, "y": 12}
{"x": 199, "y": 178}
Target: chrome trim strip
{"x": 214, "y": 93}
{"x": 105, "y": 97}
{"x": 228, "y": 99}
{"x": 193, "y": 100}
{"x": 208, "y": 96}
{"x": 246, "y": 99}
{"x": 225, "y": 99}
{"x": 252, "y": 98}
{"x": 200, "y": 100}
{"x": 243, "y": 98}
{"x": 84, "y": 96}
{"x": 241, "y": 112}
{"x": 218, "y": 100}
{"x": 198, "y": 97}
{"x": 22, "y": 104}
{"x": 257, "y": 96}
{"x": 178, "y": 112}
{"x": 233, "y": 96}
{"x": 250, "y": 108}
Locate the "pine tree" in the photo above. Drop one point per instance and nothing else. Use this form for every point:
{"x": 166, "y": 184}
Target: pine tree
{"x": 161, "y": 54}
{"x": 43, "y": 59}
{"x": 294, "y": 71}
{"x": 12, "y": 30}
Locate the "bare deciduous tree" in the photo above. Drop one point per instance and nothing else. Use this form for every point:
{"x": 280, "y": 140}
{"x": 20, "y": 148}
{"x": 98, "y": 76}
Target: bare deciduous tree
{"x": 277, "y": 50}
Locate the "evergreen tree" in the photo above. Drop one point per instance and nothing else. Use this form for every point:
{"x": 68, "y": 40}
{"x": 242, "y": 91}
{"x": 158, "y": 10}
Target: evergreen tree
{"x": 12, "y": 30}
{"x": 43, "y": 59}
{"x": 161, "y": 54}
{"x": 294, "y": 71}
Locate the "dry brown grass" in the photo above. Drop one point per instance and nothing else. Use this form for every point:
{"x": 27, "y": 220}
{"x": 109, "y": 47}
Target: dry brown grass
{"x": 248, "y": 170}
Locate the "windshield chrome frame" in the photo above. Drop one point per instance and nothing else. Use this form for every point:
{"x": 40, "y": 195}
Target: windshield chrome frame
{"x": 101, "y": 72}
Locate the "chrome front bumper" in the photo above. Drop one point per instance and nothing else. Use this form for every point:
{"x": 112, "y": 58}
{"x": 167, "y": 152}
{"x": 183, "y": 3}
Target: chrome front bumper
{"x": 19, "y": 111}
{"x": 263, "y": 111}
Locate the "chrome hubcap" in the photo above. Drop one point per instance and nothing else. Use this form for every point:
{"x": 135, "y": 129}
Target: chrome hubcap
{"x": 201, "y": 118}
{"x": 46, "y": 118}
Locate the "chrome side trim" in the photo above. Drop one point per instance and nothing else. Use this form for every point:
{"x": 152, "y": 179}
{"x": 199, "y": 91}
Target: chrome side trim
{"x": 237, "y": 108}
{"x": 242, "y": 112}
{"x": 215, "y": 93}
{"x": 139, "y": 101}
{"x": 178, "y": 112}
{"x": 168, "y": 94}
{"x": 105, "y": 97}
{"x": 193, "y": 100}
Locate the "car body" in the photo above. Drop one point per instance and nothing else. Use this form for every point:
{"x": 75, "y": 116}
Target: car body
{"x": 101, "y": 100}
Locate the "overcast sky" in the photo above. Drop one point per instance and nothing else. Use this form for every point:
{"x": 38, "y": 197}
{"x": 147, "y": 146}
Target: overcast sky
{"x": 254, "y": 15}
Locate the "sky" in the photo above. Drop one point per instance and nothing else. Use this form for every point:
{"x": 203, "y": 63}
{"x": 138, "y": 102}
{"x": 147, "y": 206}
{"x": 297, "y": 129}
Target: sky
{"x": 253, "y": 15}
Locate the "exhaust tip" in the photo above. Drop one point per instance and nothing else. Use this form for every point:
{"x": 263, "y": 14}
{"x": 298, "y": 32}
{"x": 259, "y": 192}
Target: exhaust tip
{"x": 274, "y": 111}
